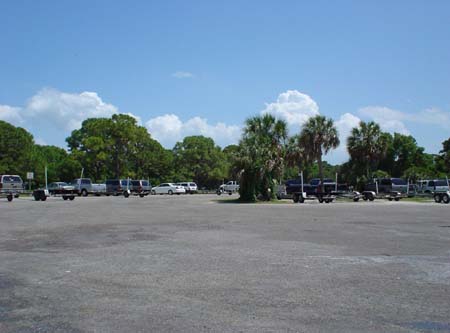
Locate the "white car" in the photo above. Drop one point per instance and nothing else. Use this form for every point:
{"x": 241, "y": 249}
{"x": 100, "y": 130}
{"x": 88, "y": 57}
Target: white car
{"x": 168, "y": 188}
{"x": 190, "y": 187}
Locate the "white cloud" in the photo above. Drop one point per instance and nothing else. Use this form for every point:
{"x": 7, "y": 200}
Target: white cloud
{"x": 434, "y": 116}
{"x": 294, "y": 107}
{"x": 66, "y": 110}
{"x": 11, "y": 115}
{"x": 182, "y": 75}
{"x": 390, "y": 120}
{"x": 168, "y": 129}
{"x": 344, "y": 125}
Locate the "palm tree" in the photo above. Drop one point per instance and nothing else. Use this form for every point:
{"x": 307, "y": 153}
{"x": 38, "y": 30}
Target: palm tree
{"x": 261, "y": 156}
{"x": 318, "y": 136}
{"x": 367, "y": 145}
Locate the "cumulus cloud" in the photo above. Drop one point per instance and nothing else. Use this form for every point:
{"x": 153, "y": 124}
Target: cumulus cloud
{"x": 390, "y": 120}
{"x": 168, "y": 129}
{"x": 182, "y": 75}
{"x": 344, "y": 125}
{"x": 294, "y": 107}
{"x": 66, "y": 110}
{"x": 11, "y": 115}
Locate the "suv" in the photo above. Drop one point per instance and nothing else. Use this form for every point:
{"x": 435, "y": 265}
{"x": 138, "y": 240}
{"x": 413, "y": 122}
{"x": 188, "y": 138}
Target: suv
{"x": 140, "y": 187}
{"x": 190, "y": 187}
{"x": 118, "y": 187}
{"x": 10, "y": 185}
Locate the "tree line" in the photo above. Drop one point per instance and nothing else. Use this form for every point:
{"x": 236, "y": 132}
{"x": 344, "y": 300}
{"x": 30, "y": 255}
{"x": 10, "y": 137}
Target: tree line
{"x": 118, "y": 147}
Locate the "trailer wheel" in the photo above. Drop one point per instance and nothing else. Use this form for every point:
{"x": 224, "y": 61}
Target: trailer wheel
{"x": 355, "y": 199}
{"x": 295, "y": 198}
{"x": 126, "y": 194}
{"x": 437, "y": 198}
{"x": 365, "y": 197}
{"x": 390, "y": 199}
{"x": 301, "y": 199}
{"x": 327, "y": 200}
{"x": 397, "y": 199}
{"x": 230, "y": 192}
{"x": 43, "y": 197}
{"x": 446, "y": 199}
{"x": 10, "y": 197}
{"x": 65, "y": 198}
{"x": 320, "y": 199}
{"x": 37, "y": 197}
{"x": 71, "y": 198}
{"x": 371, "y": 197}
{"x": 141, "y": 195}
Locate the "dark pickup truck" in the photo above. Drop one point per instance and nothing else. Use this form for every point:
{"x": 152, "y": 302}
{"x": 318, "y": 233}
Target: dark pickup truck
{"x": 313, "y": 190}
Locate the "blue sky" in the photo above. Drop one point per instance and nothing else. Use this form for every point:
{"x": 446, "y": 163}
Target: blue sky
{"x": 203, "y": 67}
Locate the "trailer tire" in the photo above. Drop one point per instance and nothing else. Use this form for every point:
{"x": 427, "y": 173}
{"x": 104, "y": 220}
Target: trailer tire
{"x": 126, "y": 194}
{"x": 141, "y": 195}
{"x": 65, "y": 198}
{"x": 320, "y": 199}
{"x": 397, "y": 199}
{"x": 437, "y": 198}
{"x": 355, "y": 199}
{"x": 43, "y": 197}
{"x": 445, "y": 199}
{"x": 71, "y": 198}
{"x": 37, "y": 197}
{"x": 10, "y": 197}
{"x": 390, "y": 199}
{"x": 296, "y": 198}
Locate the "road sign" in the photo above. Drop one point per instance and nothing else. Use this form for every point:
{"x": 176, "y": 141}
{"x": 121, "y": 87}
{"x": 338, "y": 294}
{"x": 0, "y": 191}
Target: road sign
{"x": 30, "y": 175}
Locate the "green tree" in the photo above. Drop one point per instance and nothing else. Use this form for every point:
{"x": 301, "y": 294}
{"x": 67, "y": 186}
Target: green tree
{"x": 16, "y": 145}
{"x": 319, "y": 136}
{"x": 260, "y": 157}
{"x": 118, "y": 147}
{"x": 367, "y": 145}
{"x": 200, "y": 160}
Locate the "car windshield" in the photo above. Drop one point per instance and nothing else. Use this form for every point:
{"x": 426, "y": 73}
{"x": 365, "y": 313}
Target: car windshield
{"x": 398, "y": 181}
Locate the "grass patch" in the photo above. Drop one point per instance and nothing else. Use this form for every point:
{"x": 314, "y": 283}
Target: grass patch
{"x": 418, "y": 199}
{"x": 237, "y": 201}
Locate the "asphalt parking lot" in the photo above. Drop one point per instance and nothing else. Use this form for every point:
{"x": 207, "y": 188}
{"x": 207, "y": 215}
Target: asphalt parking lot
{"x": 192, "y": 264}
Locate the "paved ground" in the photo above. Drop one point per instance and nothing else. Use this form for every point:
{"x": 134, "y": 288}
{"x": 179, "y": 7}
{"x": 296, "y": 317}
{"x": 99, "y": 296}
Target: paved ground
{"x": 191, "y": 264}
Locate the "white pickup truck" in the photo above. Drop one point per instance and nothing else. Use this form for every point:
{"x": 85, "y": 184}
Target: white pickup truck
{"x": 84, "y": 186}
{"x": 230, "y": 187}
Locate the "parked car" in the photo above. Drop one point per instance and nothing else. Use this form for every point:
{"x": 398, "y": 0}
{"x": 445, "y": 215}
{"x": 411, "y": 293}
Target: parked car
{"x": 141, "y": 187}
{"x": 387, "y": 185}
{"x": 168, "y": 188}
{"x": 435, "y": 185}
{"x": 229, "y": 187}
{"x": 56, "y": 189}
{"x": 118, "y": 187}
{"x": 190, "y": 187}
{"x": 84, "y": 186}
{"x": 10, "y": 185}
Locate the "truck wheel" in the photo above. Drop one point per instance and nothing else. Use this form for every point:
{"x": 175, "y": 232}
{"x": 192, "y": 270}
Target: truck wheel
{"x": 437, "y": 198}
{"x": 230, "y": 192}
{"x": 43, "y": 197}
{"x": 10, "y": 197}
{"x": 446, "y": 199}
{"x": 371, "y": 197}
{"x": 141, "y": 195}
{"x": 355, "y": 199}
{"x": 65, "y": 198}
{"x": 296, "y": 198}
{"x": 170, "y": 192}
{"x": 126, "y": 194}
{"x": 301, "y": 199}
{"x": 71, "y": 198}
{"x": 84, "y": 192}
{"x": 397, "y": 199}
{"x": 37, "y": 197}
{"x": 16, "y": 195}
